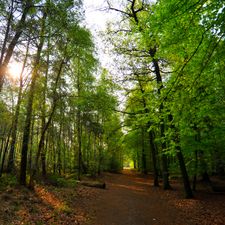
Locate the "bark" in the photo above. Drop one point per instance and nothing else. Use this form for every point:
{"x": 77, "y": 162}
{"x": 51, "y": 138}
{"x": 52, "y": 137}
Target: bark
{"x": 10, "y": 166}
{"x": 4, "y": 131}
{"x": 43, "y": 164}
{"x": 195, "y": 173}
{"x": 151, "y": 138}
{"x": 29, "y": 108}
{"x": 43, "y": 152}
{"x": 100, "y": 155}
{"x": 154, "y": 159}
{"x": 166, "y": 184}
{"x": 187, "y": 186}
{"x": 88, "y": 148}
{"x": 45, "y": 128}
{"x": 79, "y": 143}
{"x": 79, "y": 130}
{"x": 183, "y": 169}
{"x": 143, "y": 154}
{"x": 5, "y": 151}
{"x": 54, "y": 157}
{"x": 59, "y": 162}
{"x": 7, "y": 31}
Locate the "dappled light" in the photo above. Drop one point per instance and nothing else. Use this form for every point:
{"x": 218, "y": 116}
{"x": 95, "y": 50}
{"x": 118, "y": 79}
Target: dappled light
{"x": 48, "y": 198}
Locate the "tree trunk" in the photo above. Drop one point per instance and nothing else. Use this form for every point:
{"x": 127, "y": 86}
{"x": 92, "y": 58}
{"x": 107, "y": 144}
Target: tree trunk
{"x": 187, "y": 186}
{"x": 29, "y": 108}
{"x": 7, "y": 31}
{"x": 166, "y": 184}
{"x": 5, "y": 151}
{"x": 10, "y": 49}
{"x": 143, "y": 154}
{"x": 10, "y": 166}
{"x": 186, "y": 182}
{"x": 195, "y": 172}
{"x": 79, "y": 134}
{"x": 154, "y": 159}
{"x": 151, "y": 137}
{"x": 45, "y": 128}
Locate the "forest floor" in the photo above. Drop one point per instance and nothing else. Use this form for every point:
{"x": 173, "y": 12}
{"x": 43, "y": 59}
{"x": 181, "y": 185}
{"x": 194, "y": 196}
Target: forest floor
{"x": 129, "y": 199}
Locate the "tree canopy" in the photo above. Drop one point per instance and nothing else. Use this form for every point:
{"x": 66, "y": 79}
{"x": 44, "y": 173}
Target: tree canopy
{"x": 63, "y": 113}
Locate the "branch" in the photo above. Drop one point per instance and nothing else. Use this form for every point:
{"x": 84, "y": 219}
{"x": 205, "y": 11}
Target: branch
{"x": 124, "y": 112}
{"x": 118, "y": 10}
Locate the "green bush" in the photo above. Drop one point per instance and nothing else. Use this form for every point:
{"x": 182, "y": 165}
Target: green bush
{"x": 61, "y": 181}
{"x": 8, "y": 180}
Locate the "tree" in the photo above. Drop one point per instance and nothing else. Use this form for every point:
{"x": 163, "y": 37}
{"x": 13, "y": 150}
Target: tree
{"x": 6, "y": 54}
{"x": 147, "y": 44}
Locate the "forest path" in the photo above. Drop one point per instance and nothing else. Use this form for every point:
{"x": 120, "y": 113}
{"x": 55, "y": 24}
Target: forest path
{"x": 130, "y": 199}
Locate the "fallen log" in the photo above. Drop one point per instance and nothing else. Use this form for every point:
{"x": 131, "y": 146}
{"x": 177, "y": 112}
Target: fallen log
{"x": 95, "y": 184}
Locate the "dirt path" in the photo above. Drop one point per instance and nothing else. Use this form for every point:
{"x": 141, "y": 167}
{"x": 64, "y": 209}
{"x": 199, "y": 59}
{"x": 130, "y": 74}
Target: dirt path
{"x": 129, "y": 200}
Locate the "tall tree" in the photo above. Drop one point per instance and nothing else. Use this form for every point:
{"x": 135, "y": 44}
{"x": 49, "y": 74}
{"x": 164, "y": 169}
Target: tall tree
{"x": 6, "y": 54}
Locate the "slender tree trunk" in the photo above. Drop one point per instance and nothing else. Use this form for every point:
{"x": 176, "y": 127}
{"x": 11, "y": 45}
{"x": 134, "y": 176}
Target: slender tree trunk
{"x": 7, "y": 32}
{"x": 154, "y": 158}
{"x": 151, "y": 138}
{"x": 43, "y": 152}
{"x": 138, "y": 161}
{"x": 64, "y": 153}
{"x": 54, "y": 157}
{"x": 10, "y": 49}
{"x": 45, "y": 126}
{"x": 1, "y": 148}
{"x": 59, "y": 160}
{"x": 187, "y": 186}
{"x": 43, "y": 162}
{"x": 180, "y": 157}
{"x": 166, "y": 184}
{"x": 79, "y": 134}
{"x": 29, "y": 108}
{"x": 88, "y": 148}
{"x": 5, "y": 151}
{"x": 143, "y": 154}
{"x": 2, "y": 142}
{"x": 79, "y": 143}
{"x": 10, "y": 166}
{"x": 196, "y": 170}
{"x": 100, "y": 154}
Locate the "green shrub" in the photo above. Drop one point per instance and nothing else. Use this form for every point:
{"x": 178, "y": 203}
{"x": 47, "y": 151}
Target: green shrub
{"x": 8, "y": 180}
{"x": 61, "y": 181}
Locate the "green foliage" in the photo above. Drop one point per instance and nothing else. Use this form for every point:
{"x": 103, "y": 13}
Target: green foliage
{"x": 186, "y": 39}
{"x": 7, "y": 181}
{"x": 76, "y": 111}
{"x": 62, "y": 181}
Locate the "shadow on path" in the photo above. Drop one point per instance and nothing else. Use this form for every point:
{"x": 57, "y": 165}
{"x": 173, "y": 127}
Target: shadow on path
{"x": 129, "y": 199}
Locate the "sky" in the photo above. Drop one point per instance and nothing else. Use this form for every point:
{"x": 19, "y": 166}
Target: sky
{"x": 97, "y": 16}
{"x": 96, "y": 19}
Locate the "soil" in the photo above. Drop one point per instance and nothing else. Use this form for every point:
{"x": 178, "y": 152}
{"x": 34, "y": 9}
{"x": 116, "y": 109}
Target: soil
{"x": 129, "y": 199}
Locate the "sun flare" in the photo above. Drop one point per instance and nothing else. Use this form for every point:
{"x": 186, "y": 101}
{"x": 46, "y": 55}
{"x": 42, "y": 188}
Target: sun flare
{"x": 14, "y": 70}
